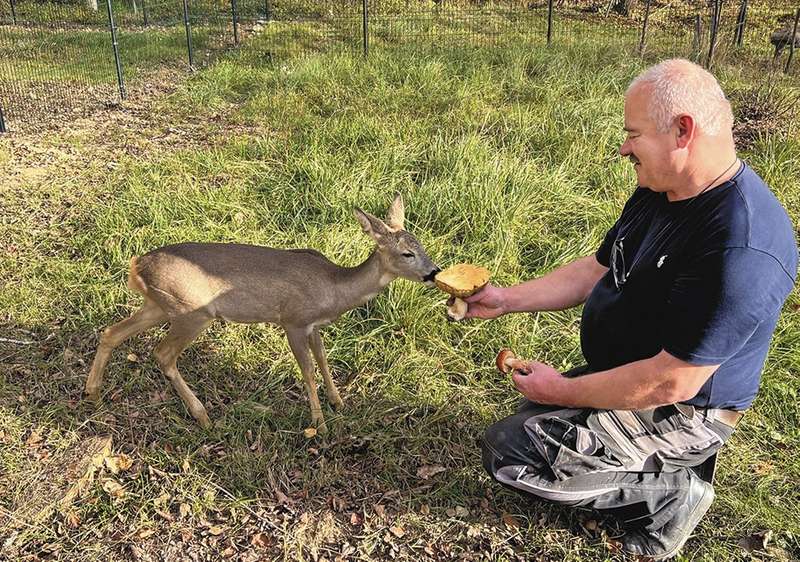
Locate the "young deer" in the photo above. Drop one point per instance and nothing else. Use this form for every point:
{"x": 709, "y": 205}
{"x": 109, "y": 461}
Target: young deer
{"x": 191, "y": 284}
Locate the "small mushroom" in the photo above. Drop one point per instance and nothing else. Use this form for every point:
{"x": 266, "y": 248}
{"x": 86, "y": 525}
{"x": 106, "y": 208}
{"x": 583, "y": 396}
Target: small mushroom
{"x": 461, "y": 281}
{"x": 507, "y": 361}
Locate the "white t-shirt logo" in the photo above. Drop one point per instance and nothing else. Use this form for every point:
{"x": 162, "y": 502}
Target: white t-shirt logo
{"x": 661, "y": 261}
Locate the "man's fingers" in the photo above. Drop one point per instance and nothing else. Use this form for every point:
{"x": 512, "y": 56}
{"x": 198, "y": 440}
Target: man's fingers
{"x": 476, "y": 297}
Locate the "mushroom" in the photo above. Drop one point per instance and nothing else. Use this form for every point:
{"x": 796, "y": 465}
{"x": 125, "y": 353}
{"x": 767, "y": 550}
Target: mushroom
{"x": 461, "y": 281}
{"x": 507, "y": 361}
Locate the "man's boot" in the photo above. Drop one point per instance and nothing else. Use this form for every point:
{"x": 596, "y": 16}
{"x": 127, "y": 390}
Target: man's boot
{"x": 667, "y": 541}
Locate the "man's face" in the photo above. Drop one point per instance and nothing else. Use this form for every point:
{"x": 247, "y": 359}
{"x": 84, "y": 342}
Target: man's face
{"x": 652, "y": 153}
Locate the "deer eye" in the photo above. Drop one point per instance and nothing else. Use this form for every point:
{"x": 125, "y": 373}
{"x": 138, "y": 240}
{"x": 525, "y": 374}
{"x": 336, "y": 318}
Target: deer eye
{"x": 408, "y": 255}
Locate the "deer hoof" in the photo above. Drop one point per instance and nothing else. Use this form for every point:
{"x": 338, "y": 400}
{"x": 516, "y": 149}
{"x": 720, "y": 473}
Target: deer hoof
{"x": 202, "y": 418}
{"x": 93, "y": 394}
{"x": 336, "y": 402}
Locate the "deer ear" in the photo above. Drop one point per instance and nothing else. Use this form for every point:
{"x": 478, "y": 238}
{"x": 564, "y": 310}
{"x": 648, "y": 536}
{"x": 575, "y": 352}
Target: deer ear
{"x": 373, "y": 226}
{"x": 396, "y": 215}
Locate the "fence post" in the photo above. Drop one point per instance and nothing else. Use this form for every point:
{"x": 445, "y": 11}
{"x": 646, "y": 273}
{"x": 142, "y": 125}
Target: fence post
{"x": 115, "y": 45}
{"x": 549, "y": 21}
{"x": 144, "y": 11}
{"x": 188, "y": 27}
{"x": 741, "y": 20}
{"x": 267, "y": 10}
{"x": 714, "y": 25}
{"x": 697, "y": 43}
{"x": 2, "y": 121}
{"x": 365, "y": 25}
{"x": 13, "y": 11}
{"x": 644, "y": 28}
{"x": 791, "y": 42}
{"x": 235, "y": 17}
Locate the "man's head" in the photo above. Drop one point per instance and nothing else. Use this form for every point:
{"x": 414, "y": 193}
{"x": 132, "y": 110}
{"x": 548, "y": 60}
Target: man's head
{"x": 678, "y": 123}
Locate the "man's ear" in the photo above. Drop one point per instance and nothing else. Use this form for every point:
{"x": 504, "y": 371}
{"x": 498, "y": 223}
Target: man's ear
{"x": 687, "y": 130}
{"x": 373, "y": 226}
{"x": 396, "y": 215}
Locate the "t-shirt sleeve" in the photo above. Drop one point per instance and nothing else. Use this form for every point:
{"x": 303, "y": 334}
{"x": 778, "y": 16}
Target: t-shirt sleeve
{"x": 603, "y": 254}
{"x": 717, "y": 302}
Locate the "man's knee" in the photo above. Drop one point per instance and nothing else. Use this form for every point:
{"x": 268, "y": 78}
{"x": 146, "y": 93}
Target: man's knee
{"x": 502, "y": 444}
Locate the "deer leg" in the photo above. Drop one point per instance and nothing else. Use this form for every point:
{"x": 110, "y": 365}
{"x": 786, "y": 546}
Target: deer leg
{"x": 298, "y": 342}
{"x": 182, "y": 332}
{"x": 146, "y": 317}
{"x": 318, "y": 349}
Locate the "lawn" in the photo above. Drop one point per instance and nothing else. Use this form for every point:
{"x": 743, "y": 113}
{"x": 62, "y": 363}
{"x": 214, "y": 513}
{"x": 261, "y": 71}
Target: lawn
{"x": 506, "y": 157}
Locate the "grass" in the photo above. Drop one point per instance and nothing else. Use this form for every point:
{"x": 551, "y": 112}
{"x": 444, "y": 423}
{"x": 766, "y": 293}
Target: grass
{"x": 506, "y": 157}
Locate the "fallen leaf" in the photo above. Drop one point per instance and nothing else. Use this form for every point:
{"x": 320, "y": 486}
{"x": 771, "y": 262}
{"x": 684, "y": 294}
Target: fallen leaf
{"x": 34, "y": 438}
{"x": 397, "y": 531}
{"x": 462, "y": 511}
{"x": 424, "y": 509}
{"x": 216, "y": 530}
{"x": 756, "y": 541}
{"x": 184, "y": 509}
{"x": 162, "y": 499}
{"x": 144, "y": 533}
{"x": 118, "y": 463}
{"x": 228, "y": 552}
{"x": 355, "y": 519}
{"x": 113, "y": 488}
{"x": 380, "y": 510}
{"x": 73, "y": 521}
{"x": 281, "y": 497}
{"x": 133, "y": 358}
{"x": 309, "y": 432}
{"x": 429, "y": 470}
{"x": 590, "y": 525}
{"x": 185, "y": 465}
{"x": 260, "y": 540}
{"x": 510, "y": 520}
{"x": 165, "y": 515}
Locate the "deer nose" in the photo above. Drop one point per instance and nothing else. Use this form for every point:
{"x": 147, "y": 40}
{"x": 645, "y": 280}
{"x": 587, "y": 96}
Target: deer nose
{"x": 429, "y": 277}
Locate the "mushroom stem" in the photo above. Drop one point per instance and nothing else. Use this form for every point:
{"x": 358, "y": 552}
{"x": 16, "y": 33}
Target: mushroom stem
{"x": 457, "y": 310}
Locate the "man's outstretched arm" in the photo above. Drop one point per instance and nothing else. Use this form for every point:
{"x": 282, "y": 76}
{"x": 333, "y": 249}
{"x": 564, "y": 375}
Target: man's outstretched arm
{"x": 565, "y": 287}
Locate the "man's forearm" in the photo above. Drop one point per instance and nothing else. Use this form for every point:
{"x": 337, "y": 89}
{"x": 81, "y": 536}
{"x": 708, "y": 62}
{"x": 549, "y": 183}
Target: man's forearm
{"x": 648, "y": 383}
{"x": 562, "y": 288}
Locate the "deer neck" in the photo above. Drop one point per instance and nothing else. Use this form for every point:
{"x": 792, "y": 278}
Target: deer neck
{"x": 362, "y": 283}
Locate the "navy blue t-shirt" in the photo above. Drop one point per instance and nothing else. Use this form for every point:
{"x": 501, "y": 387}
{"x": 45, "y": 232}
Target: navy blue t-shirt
{"x": 706, "y": 280}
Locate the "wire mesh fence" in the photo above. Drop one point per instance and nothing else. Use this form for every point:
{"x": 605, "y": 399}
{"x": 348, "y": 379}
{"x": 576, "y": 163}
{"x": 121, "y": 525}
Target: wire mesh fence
{"x": 61, "y": 57}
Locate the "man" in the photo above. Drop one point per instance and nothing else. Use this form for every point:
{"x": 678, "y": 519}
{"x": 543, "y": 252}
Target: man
{"x": 681, "y": 301}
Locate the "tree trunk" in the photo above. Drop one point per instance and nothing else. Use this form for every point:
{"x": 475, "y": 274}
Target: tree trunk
{"x": 92, "y": 4}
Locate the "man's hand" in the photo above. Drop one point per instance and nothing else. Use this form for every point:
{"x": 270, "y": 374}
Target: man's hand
{"x": 487, "y": 303}
{"x": 540, "y": 383}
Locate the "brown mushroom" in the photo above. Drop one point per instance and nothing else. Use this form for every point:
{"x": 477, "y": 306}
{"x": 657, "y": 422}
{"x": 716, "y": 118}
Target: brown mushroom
{"x": 461, "y": 281}
{"x": 507, "y": 361}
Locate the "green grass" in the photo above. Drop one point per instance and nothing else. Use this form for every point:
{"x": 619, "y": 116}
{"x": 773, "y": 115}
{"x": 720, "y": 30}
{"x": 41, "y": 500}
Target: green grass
{"x": 505, "y": 157}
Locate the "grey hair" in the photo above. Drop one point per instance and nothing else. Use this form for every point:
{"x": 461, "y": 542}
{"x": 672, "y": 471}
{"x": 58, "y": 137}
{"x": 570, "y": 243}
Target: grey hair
{"x": 679, "y": 87}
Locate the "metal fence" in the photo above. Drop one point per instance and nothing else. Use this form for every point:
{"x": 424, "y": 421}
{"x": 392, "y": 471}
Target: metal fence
{"x": 60, "y": 58}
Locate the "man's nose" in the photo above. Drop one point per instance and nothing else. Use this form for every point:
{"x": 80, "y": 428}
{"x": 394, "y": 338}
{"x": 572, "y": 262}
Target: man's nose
{"x": 624, "y": 149}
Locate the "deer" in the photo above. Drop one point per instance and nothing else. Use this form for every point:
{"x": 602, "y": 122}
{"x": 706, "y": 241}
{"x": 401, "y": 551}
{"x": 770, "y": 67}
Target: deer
{"x": 190, "y": 285}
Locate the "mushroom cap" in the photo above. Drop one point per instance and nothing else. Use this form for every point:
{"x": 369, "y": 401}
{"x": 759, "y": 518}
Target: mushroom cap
{"x": 502, "y": 358}
{"x": 462, "y": 280}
